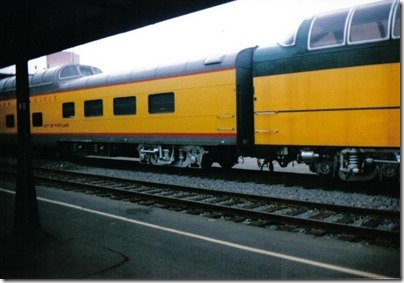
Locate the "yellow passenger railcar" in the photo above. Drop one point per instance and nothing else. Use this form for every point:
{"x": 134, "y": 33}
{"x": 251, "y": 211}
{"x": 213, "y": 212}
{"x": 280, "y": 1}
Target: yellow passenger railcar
{"x": 165, "y": 116}
{"x": 329, "y": 96}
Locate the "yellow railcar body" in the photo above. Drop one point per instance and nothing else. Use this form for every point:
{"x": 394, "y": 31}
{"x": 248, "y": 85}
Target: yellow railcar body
{"x": 8, "y": 107}
{"x": 355, "y": 106}
{"x": 205, "y": 105}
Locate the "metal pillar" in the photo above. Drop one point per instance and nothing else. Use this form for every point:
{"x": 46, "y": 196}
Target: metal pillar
{"x": 26, "y": 218}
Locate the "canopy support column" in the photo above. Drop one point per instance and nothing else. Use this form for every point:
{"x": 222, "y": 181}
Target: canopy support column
{"x": 26, "y": 218}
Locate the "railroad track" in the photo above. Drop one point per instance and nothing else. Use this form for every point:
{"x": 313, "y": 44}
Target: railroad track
{"x": 258, "y": 210}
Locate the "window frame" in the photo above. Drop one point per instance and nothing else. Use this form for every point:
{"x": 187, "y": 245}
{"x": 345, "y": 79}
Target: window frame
{"x": 344, "y": 36}
{"x": 37, "y": 119}
{"x": 67, "y": 104}
{"x": 70, "y": 76}
{"x": 88, "y": 108}
{"x": 124, "y": 113}
{"x": 393, "y": 22}
{"x": 171, "y": 109}
{"x": 387, "y": 37}
{"x": 10, "y": 121}
{"x": 36, "y": 79}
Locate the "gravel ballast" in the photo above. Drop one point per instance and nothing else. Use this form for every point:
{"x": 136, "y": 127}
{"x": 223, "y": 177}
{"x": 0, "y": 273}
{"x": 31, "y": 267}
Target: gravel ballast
{"x": 273, "y": 190}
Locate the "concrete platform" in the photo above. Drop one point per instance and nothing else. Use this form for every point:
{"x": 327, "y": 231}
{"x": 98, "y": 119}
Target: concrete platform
{"x": 90, "y": 237}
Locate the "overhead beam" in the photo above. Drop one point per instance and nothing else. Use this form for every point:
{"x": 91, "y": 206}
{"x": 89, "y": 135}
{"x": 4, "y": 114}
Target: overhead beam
{"x": 52, "y": 26}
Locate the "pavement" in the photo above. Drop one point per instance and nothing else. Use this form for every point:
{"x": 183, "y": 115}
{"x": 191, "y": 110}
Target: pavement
{"x": 90, "y": 237}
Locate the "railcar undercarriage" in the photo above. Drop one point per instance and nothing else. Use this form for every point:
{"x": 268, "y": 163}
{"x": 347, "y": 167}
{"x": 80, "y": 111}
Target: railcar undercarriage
{"x": 349, "y": 164}
{"x": 177, "y": 156}
{"x": 187, "y": 156}
{"x": 193, "y": 156}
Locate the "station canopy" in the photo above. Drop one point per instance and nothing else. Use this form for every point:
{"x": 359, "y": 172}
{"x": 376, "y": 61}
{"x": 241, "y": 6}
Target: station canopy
{"x": 34, "y": 28}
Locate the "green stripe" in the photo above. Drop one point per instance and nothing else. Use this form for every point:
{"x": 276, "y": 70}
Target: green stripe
{"x": 284, "y": 60}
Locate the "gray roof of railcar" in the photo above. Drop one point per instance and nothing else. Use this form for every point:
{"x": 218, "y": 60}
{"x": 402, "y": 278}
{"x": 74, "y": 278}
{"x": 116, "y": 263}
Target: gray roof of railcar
{"x": 49, "y": 80}
{"x": 202, "y": 65}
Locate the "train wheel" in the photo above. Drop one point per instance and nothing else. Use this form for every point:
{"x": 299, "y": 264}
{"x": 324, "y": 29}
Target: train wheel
{"x": 229, "y": 162}
{"x": 265, "y": 162}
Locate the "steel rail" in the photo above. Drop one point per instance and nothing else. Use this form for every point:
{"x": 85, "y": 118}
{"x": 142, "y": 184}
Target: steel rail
{"x": 141, "y": 190}
{"x": 308, "y": 204}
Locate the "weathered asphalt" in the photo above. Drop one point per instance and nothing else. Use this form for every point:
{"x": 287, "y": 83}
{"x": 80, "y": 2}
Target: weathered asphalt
{"x": 90, "y": 237}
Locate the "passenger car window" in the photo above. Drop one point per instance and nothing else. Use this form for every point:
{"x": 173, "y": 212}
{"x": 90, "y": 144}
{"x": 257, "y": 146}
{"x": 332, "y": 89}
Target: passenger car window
{"x": 161, "y": 103}
{"x": 370, "y": 23}
{"x": 93, "y": 108}
{"x": 85, "y": 70}
{"x": 125, "y": 105}
{"x": 47, "y": 77}
{"x": 37, "y": 78}
{"x": 69, "y": 72}
{"x": 10, "y": 121}
{"x": 68, "y": 110}
{"x": 290, "y": 40}
{"x": 397, "y": 22}
{"x": 37, "y": 119}
{"x": 328, "y": 30}
{"x": 2, "y": 83}
{"x": 9, "y": 84}
{"x": 96, "y": 70}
